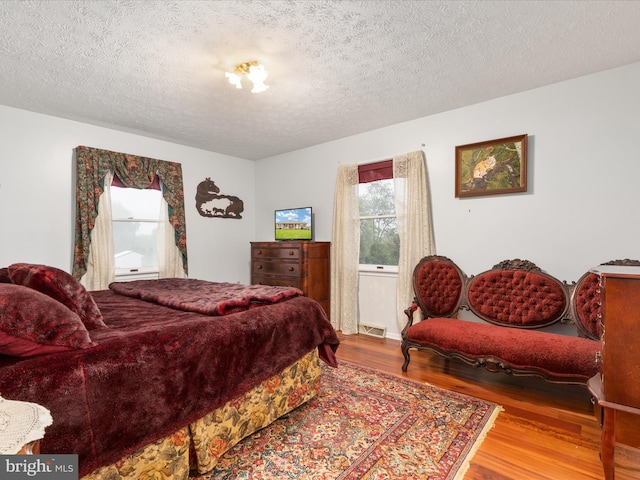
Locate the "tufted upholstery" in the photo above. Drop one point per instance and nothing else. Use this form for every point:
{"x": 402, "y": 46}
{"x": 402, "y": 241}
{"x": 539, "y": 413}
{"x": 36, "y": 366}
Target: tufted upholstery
{"x": 438, "y": 286}
{"x": 517, "y": 298}
{"x": 560, "y": 357}
{"x": 587, "y": 306}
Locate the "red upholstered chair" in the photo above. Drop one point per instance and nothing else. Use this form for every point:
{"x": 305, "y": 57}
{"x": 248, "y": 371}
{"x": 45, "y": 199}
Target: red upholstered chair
{"x": 438, "y": 284}
{"x": 514, "y": 302}
{"x": 586, "y": 306}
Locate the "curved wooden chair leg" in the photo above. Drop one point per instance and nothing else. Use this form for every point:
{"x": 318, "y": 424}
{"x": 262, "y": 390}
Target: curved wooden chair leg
{"x": 407, "y": 358}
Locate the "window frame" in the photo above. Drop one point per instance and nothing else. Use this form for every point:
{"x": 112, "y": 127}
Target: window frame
{"x": 146, "y": 272}
{"x": 368, "y": 173}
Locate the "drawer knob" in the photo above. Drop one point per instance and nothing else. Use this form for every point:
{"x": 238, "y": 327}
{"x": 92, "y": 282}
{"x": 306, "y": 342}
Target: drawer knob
{"x": 259, "y": 252}
{"x": 291, "y": 269}
{"x": 292, "y": 252}
{"x": 259, "y": 267}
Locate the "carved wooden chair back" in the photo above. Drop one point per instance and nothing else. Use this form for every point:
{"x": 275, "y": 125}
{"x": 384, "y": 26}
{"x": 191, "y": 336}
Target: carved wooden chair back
{"x": 586, "y": 302}
{"x": 438, "y": 284}
{"x": 517, "y": 293}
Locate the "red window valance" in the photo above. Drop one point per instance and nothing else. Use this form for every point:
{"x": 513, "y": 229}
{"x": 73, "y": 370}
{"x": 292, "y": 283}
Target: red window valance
{"x": 116, "y": 182}
{"x": 373, "y": 172}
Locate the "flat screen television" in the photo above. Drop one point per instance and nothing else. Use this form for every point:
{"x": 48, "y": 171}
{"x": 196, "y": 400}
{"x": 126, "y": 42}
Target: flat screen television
{"x": 294, "y": 224}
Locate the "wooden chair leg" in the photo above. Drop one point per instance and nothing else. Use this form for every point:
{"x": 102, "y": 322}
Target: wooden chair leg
{"x": 407, "y": 358}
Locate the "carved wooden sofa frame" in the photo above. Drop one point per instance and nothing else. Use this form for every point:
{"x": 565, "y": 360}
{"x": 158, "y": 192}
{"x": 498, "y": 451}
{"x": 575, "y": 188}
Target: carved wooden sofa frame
{"x": 516, "y": 301}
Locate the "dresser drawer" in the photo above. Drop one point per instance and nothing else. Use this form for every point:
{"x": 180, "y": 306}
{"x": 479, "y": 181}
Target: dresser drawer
{"x": 277, "y": 268}
{"x": 301, "y": 264}
{"x": 274, "y": 252}
{"x": 277, "y": 280}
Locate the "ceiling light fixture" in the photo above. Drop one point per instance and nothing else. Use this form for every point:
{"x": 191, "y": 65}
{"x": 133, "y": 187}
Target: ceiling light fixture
{"x": 254, "y": 71}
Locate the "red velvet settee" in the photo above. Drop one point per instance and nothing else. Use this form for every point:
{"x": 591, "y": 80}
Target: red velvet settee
{"x": 518, "y": 305}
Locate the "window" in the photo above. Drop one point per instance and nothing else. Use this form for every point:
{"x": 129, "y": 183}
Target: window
{"x": 379, "y": 238}
{"x": 136, "y": 215}
{"x": 93, "y": 257}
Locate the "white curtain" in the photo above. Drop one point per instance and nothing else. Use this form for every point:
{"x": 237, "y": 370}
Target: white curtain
{"x": 345, "y": 251}
{"x": 415, "y": 226}
{"x": 100, "y": 265}
{"x": 169, "y": 256}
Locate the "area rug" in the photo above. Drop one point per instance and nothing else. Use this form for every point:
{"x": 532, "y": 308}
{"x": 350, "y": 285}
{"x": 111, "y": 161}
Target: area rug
{"x": 365, "y": 424}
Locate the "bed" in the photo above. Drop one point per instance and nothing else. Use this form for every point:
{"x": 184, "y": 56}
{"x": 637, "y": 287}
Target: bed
{"x": 156, "y": 378}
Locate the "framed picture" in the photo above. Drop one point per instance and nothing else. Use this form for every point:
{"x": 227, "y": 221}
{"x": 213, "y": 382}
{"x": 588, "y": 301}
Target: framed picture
{"x": 492, "y": 167}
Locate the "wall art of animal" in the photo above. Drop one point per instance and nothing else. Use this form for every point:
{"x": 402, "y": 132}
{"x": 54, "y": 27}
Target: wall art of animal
{"x": 210, "y": 203}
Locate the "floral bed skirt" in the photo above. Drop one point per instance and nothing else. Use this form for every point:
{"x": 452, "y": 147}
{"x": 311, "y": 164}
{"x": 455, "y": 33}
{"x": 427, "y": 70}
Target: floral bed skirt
{"x": 196, "y": 448}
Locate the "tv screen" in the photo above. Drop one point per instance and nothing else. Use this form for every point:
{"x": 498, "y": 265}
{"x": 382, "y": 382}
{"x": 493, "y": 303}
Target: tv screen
{"x": 294, "y": 224}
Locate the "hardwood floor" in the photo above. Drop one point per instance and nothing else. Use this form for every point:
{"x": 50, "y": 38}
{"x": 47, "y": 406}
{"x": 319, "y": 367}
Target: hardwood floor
{"x": 545, "y": 431}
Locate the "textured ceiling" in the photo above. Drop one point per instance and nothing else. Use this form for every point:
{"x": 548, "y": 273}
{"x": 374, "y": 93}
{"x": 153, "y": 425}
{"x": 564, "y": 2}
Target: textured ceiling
{"x": 336, "y": 68}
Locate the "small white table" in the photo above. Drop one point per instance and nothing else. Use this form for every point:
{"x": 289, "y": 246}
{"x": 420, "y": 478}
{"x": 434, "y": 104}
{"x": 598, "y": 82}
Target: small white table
{"x": 22, "y": 425}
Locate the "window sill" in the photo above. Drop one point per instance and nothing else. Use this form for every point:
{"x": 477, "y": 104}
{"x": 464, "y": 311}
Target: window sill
{"x": 378, "y": 270}
{"x": 125, "y": 275}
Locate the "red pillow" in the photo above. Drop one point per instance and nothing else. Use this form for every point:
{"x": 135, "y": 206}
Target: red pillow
{"x": 4, "y": 275}
{"x": 60, "y": 286}
{"x": 32, "y": 323}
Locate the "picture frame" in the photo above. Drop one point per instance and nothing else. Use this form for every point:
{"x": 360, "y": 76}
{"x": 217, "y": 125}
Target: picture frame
{"x": 492, "y": 167}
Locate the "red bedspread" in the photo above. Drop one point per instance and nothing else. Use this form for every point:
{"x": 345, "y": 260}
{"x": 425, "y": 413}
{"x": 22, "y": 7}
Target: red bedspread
{"x": 200, "y": 296}
{"x": 156, "y": 369}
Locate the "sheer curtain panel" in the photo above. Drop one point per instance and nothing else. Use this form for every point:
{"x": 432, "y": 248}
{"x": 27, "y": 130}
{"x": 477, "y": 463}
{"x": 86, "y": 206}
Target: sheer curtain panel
{"x": 345, "y": 252}
{"x": 415, "y": 227}
{"x": 100, "y": 261}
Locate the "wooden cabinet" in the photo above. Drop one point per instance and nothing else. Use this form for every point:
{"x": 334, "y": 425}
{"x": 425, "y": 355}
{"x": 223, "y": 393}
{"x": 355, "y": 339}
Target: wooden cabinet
{"x": 300, "y": 264}
{"x": 617, "y": 388}
{"x": 621, "y": 347}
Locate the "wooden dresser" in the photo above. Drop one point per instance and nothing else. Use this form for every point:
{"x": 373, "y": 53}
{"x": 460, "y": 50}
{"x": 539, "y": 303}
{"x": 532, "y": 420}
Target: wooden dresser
{"x": 617, "y": 388}
{"x": 301, "y": 264}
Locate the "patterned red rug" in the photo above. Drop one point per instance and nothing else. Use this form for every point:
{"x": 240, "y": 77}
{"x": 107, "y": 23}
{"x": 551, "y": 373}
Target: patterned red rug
{"x": 365, "y": 424}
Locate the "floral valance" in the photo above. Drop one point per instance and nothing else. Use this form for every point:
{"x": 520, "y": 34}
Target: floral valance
{"x": 92, "y": 164}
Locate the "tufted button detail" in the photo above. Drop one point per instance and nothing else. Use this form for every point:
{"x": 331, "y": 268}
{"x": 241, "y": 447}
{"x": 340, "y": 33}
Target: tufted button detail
{"x": 517, "y": 298}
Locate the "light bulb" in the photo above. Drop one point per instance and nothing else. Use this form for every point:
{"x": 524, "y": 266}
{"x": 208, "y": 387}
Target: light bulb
{"x": 257, "y": 75}
{"x": 234, "y": 79}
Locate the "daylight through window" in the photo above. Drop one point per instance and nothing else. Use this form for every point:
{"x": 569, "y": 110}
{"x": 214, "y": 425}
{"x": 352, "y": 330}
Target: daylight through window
{"x": 136, "y": 215}
{"x": 379, "y": 239}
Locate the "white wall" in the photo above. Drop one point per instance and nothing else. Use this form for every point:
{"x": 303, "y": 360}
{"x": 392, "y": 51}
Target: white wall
{"x": 37, "y": 193}
{"x": 580, "y": 209}
{"x": 584, "y": 174}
